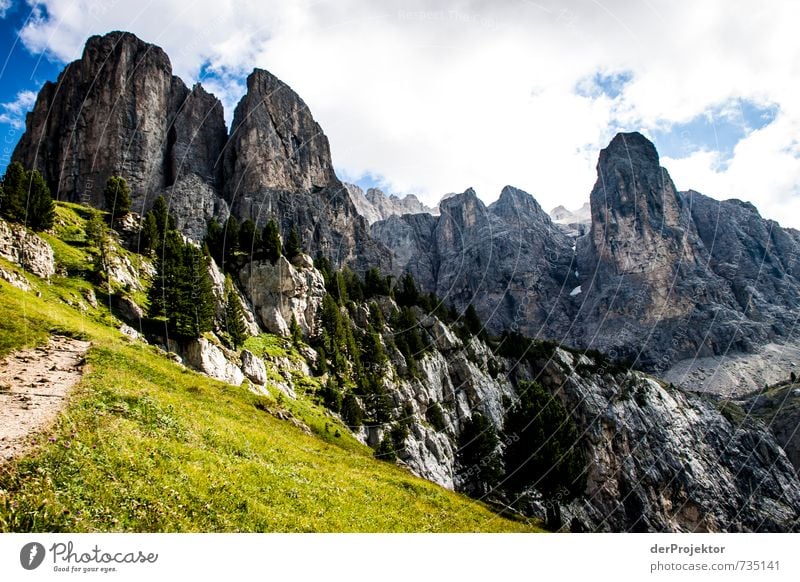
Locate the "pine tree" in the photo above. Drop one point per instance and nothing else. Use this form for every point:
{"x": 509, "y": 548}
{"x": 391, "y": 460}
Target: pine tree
{"x": 472, "y": 321}
{"x": 234, "y": 315}
{"x": 15, "y": 193}
{"x": 231, "y": 232}
{"x": 164, "y": 220}
{"x": 117, "y": 195}
{"x": 181, "y": 291}
{"x": 296, "y": 331}
{"x": 292, "y": 248}
{"x": 408, "y": 294}
{"x": 375, "y": 283}
{"x": 149, "y": 236}
{"x": 271, "y": 240}
{"x": 478, "y": 454}
{"x": 213, "y": 239}
{"x": 547, "y": 451}
{"x": 99, "y": 243}
{"x": 41, "y": 209}
{"x": 249, "y": 240}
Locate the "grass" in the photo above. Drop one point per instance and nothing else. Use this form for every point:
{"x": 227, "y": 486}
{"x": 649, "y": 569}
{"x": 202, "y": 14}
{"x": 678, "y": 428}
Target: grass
{"x": 146, "y": 445}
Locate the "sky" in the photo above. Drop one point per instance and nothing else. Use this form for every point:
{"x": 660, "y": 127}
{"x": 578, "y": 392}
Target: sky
{"x": 432, "y": 97}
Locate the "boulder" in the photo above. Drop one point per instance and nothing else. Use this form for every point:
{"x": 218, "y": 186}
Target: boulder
{"x": 253, "y": 368}
{"x": 209, "y": 359}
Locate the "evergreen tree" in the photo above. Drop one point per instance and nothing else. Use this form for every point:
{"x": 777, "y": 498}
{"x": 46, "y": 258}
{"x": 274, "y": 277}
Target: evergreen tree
{"x": 408, "y": 294}
{"x": 117, "y": 196}
{"x": 234, "y": 315}
{"x": 164, "y": 220}
{"x": 375, "y": 283}
{"x": 352, "y": 413}
{"x": 547, "y": 452}
{"x": 99, "y": 243}
{"x": 472, "y": 322}
{"x": 41, "y": 209}
{"x": 214, "y": 240}
{"x": 249, "y": 240}
{"x": 271, "y": 240}
{"x": 149, "y": 236}
{"x": 323, "y": 265}
{"x": 478, "y": 454}
{"x": 292, "y": 248}
{"x": 296, "y": 331}
{"x": 181, "y": 291}
{"x": 231, "y": 238}
{"x": 14, "y": 193}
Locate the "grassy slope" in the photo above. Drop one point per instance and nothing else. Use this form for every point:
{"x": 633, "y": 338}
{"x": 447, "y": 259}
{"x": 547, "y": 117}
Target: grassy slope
{"x": 145, "y": 445}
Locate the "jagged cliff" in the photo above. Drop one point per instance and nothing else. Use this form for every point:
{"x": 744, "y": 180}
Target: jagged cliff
{"x": 658, "y": 276}
{"x": 119, "y": 110}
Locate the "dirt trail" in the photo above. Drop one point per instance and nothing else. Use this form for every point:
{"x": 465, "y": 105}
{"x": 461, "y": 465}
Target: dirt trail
{"x": 34, "y": 385}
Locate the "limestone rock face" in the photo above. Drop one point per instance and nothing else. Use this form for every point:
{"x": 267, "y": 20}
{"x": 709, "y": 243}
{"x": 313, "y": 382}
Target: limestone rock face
{"x": 278, "y": 165}
{"x": 253, "y": 368}
{"x": 209, "y": 359}
{"x": 508, "y": 259}
{"x": 281, "y": 291}
{"x": 119, "y": 110}
{"x": 26, "y": 249}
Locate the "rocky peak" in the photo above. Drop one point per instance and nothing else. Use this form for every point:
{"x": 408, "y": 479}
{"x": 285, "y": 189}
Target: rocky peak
{"x": 119, "y": 110}
{"x": 275, "y": 142}
{"x": 637, "y": 221}
{"x": 516, "y": 204}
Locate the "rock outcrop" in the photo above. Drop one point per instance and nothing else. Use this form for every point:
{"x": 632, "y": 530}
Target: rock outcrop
{"x": 26, "y": 249}
{"x": 375, "y": 205}
{"x": 119, "y": 110}
{"x": 209, "y": 359}
{"x": 282, "y": 292}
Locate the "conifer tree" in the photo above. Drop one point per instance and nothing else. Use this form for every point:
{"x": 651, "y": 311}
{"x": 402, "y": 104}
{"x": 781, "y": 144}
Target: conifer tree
{"x": 14, "y": 193}
{"x": 231, "y": 232}
{"x": 213, "y": 239}
{"x": 117, "y": 195}
{"x": 271, "y": 241}
{"x": 296, "y": 331}
{"x": 41, "y": 210}
{"x": 292, "y": 248}
{"x": 164, "y": 220}
{"x": 249, "y": 240}
{"x": 234, "y": 315}
{"x": 149, "y": 236}
{"x": 181, "y": 291}
{"x": 408, "y": 294}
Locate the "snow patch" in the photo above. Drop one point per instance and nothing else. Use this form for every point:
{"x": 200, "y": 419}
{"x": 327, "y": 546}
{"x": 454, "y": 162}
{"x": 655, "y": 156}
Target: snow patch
{"x": 575, "y": 291}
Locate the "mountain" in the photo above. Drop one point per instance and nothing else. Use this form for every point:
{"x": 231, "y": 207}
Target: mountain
{"x": 375, "y": 205}
{"x": 119, "y": 110}
{"x": 655, "y": 277}
{"x": 572, "y": 223}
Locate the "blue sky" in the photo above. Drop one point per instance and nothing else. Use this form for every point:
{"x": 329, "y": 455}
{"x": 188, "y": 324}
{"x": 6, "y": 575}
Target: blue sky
{"x": 435, "y": 96}
{"x": 20, "y": 72}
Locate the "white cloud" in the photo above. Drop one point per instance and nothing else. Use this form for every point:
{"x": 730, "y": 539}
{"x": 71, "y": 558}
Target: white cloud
{"x": 4, "y": 6}
{"x": 13, "y": 112}
{"x": 437, "y": 96}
